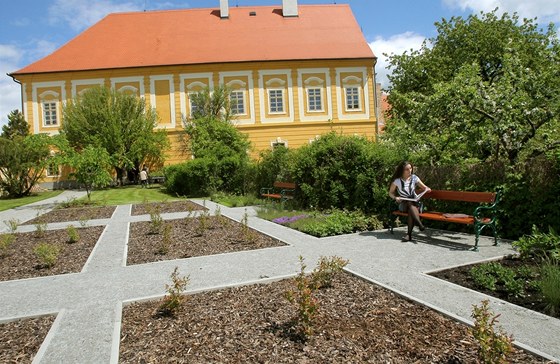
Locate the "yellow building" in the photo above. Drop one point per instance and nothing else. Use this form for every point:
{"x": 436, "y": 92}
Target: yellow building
{"x": 295, "y": 72}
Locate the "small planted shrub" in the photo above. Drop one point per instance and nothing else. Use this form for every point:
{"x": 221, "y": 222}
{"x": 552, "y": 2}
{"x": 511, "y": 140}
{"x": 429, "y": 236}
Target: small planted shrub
{"x": 550, "y": 287}
{"x": 12, "y": 224}
{"x": 6, "y": 241}
{"x": 494, "y": 345}
{"x": 174, "y": 298}
{"x": 327, "y": 268}
{"x": 302, "y": 295}
{"x": 247, "y": 233}
{"x": 83, "y": 221}
{"x": 47, "y": 254}
{"x": 73, "y": 235}
{"x": 156, "y": 221}
{"x": 539, "y": 244}
{"x": 165, "y": 239}
{"x": 203, "y": 223}
{"x": 40, "y": 229}
{"x": 493, "y": 275}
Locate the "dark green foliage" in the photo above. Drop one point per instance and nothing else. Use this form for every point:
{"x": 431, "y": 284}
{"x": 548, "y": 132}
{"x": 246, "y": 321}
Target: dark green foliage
{"x": 16, "y": 127}
{"x": 493, "y": 276}
{"x": 273, "y": 165}
{"x": 337, "y": 222}
{"x": 539, "y": 244}
{"x": 22, "y": 161}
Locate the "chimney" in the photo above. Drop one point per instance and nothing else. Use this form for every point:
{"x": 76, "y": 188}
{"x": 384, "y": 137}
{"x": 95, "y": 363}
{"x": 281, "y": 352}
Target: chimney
{"x": 289, "y": 8}
{"x": 224, "y": 9}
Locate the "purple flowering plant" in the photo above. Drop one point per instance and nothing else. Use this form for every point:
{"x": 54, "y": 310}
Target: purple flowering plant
{"x": 288, "y": 219}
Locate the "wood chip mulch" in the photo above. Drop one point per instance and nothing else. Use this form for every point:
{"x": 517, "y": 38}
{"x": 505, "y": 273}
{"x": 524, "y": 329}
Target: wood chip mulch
{"x": 358, "y": 322}
{"x": 74, "y": 214}
{"x": 188, "y": 239}
{"x": 19, "y": 260}
{"x": 20, "y": 340}
{"x": 165, "y": 207}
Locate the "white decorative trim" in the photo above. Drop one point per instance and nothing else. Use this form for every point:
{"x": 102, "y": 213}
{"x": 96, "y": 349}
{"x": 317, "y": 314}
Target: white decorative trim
{"x": 189, "y": 76}
{"x": 128, "y": 88}
{"x": 92, "y": 82}
{"x": 341, "y": 95}
{"x": 289, "y": 98}
{"x": 351, "y": 78}
{"x": 327, "y": 96}
{"x": 48, "y": 93}
{"x": 314, "y": 79}
{"x": 192, "y": 85}
{"x": 275, "y": 80}
{"x": 35, "y": 103}
{"x": 249, "y": 75}
{"x": 168, "y": 78}
{"x": 139, "y": 79}
{"x": 278, "y": 141}
{"x": 24, "y": 106}
{"x": 236, "y": 83}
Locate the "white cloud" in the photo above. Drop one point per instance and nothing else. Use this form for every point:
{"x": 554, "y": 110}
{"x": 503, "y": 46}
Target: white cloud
{"x": 80, "y": 14}
{"x": 396, "y": 44}
{"x": 545, "y": 10}
{"x": 10, "y": 92}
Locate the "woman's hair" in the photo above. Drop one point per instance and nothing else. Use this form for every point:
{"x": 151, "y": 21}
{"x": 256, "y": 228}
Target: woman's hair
{"x": 400, "y": 169}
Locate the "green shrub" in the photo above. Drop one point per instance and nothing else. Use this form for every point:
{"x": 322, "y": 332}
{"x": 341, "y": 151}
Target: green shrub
{"x": 326, "y": 270}
{"x": 165, "y": 239}
{"x": 73, "y": 236}
{"x": 336, "y": 222}
{"x": 12, "y": 224}
{"x": 6, "y": 241}
{"x": 550, "y": 287}
{"x": 174, "y": 298}
{"x": 40, "y": 229}
{"x": 156, "y": 221}
{"x": 539, "y": 244}
{"x": 494, "y": 345}
{"x": 47, "y": 254}
{"x": 302, "y": 295}
{"x": 489, "y": 275}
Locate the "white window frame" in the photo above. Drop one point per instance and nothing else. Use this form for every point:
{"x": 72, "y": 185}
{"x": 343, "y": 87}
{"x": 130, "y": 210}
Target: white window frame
{"x": 190, "y": 102}
{"x": 309, "y": 110}
{"x": 361, "y": 77}
{"x": 282, "y": 100}
{"x": 243, "y": 102}
{"x": 52, "y": 113}
{"x": 357, "y": 88}
{"x": 277, "y": 142}
{"x": 48, "y": 174}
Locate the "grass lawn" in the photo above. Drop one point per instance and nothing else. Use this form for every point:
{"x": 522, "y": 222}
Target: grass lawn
{"x": 6, "y": 204}
{"x": 130, "y": 195}
{"x": 235, "y": 200}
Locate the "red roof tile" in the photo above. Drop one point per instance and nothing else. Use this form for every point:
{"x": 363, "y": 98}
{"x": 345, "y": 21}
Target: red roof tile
{"x": 198, "y": 36}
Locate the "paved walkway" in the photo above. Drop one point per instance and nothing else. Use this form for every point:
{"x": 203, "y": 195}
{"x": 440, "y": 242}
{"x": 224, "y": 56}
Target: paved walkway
{"x": 88, "y": 304}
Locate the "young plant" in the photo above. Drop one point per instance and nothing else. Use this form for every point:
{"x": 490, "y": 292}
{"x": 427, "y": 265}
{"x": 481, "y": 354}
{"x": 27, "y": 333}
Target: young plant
{"x": 83, "y": 221}
{"x": 246, "y": 231}
{"x": 40, "y": 229}
{"x": 203, "y": 222}
{"x": 302, "y": 295}
{"x": 494, "y": 345}
{"x": 156, "y": 221}
{"x": 12, "y": 224}
{"x": 174, "y": 298}
{"x": 73, "y": 235}
{"x": 165, "y": 239}
{"x": 47, "y": 254}
{"x": 6, "y": 240}
{"x": 550, "y": 287}
{"x": 326, "y": 270}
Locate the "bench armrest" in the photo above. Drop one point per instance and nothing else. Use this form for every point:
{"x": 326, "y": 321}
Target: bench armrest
{"x": 265, "y": 190}
{"x": 286, "y": 192}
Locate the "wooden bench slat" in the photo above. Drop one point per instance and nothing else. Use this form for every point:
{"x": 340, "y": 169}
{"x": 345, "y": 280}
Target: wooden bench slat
{"x": 287, "y": 185}
{"x": 487, "y": 197}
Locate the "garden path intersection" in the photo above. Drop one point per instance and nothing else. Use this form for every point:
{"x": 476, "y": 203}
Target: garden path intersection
{"x": 88, "y": 304}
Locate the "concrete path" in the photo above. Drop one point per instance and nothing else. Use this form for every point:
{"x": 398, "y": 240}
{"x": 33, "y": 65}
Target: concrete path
{"x": 88, "y": 304}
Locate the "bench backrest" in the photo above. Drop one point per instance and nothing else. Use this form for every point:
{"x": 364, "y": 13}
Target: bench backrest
{"x": 487, "y": 197}
{"x": 285, "y": 185}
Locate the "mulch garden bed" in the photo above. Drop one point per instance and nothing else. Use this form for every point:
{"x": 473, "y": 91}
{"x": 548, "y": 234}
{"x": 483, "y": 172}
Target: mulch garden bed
{"x": 19, "y": 260}
{"x": 358, "y": 322}
{"x": 20, "y": 340}
{"x": 165, "y": 207}
{"x": 192, "y": 237}
{"x": 532, "y": 299}
{"x": 74, "y": 214}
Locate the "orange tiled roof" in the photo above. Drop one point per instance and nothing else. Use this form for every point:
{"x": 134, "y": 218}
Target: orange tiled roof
{"x": 198, "y": 36}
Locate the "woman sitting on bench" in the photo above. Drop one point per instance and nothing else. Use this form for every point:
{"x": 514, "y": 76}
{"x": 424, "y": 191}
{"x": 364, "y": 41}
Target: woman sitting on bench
{"x": 404, "y": 183}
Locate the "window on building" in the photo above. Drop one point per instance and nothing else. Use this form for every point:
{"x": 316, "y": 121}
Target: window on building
{"x": 192, "y": 107}
{"x": 49, "y": 113}
{"x": 237, "y": 102}
{"x": 314, "y": 100}
{"x": 276, "y": 101}
{"x": 352, "y": 98}
{"x": 52, "y": 169}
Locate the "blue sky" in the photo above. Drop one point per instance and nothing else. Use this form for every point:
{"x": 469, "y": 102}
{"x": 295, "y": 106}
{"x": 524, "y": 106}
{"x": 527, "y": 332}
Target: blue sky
{"x": 32, "y": 29}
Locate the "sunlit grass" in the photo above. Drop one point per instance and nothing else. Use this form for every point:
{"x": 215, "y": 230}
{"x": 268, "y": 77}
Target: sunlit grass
{"x": 130, "y": 195}
{"x": 235, "y": 200}
{"x": 10, "y": 203}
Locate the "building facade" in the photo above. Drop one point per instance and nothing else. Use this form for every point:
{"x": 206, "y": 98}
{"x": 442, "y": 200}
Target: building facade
{"x": 295, "y": 72}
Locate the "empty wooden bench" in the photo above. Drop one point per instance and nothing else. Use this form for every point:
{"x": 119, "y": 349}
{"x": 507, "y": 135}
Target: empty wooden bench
{"x": 483, "y": 215}
{"x": 282, "y": 191}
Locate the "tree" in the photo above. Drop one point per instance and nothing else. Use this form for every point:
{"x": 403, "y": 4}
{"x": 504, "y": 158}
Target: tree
{"x": 91, "y": 168}
{"x": 17, "y": 126}
{"x": 119, "y": 123}
{"x": 22, "y": 162}
{"x": 484, "y": 88}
